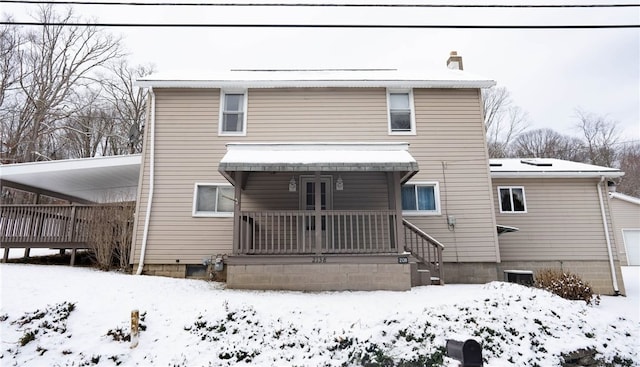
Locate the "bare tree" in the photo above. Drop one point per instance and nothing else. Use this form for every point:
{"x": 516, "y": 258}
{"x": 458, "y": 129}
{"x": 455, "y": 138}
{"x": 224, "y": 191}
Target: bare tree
{"x": 547, "y": 143}
{"x": 10, "y": 42}
{"x": 600, "y": 136}
{"x": 503, "y": 121}
{"x": 629, "y": 159}
{"x": 129, "y": 102}
{"x": 56, "y": 61}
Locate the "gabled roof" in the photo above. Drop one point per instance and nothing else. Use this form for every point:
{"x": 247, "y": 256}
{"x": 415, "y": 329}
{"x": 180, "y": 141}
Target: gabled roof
{"x": 627, "y": 198}
{"x": 547, "y": 167}
{"x": 317, "y": 78}
{"x": 97, "y": 179}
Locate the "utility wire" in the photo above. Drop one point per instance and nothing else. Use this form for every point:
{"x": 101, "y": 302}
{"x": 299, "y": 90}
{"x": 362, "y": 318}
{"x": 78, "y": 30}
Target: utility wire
{"x": 335, "y": 5}
{"x": 356, "y": 26}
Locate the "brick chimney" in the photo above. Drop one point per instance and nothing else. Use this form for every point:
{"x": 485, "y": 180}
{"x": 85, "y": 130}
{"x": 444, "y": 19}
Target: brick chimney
{"x": 454, "y": 61}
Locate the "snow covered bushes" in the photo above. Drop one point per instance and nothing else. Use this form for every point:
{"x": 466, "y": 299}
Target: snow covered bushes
{"x": 566, "y": 285}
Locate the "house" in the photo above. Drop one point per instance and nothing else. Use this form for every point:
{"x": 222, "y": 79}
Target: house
{"x": 564, "y": 219}
{"x": 334, "y": 180}
{"x": 352, "y": 179}
{"x": 625, "y": 211}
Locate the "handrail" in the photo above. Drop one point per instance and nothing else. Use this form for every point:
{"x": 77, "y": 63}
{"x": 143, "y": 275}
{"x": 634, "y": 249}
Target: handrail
{"x": 426, "y": 249}
{"x": 422, "y": 233}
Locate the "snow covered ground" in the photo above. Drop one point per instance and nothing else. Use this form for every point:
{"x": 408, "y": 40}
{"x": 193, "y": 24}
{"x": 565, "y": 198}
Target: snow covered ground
{"x": 63, "y": 316}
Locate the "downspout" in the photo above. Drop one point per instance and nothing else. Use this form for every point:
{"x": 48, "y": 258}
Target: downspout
{"x": 152, "y": 152}
{"x": 608, "y": 239}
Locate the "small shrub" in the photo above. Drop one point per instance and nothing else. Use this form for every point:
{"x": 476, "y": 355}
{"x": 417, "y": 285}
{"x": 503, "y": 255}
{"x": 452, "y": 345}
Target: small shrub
{"x": 566, "y": 285}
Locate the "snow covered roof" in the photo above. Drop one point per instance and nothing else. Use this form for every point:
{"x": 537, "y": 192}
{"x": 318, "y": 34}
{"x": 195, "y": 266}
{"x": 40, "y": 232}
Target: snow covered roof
{"x": 630, "y": 199}
{"x": 309, "y": 157}
{"x": 310, "y": 78}
{"x": 547, "y": 167}
{"x": 95, "y": 179}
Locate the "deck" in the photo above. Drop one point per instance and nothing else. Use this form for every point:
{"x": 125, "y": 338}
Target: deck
{"x": 49, "y": 226}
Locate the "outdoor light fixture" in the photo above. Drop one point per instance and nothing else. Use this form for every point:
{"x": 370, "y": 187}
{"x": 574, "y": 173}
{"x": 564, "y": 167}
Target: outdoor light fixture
{"x": 339, "y": 184}
{"x": 292, "y": 185}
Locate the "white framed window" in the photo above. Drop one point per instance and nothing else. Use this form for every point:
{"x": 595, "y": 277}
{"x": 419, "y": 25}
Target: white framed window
{"x": 233, "y": 113}
{"x": 511, "y": 199}
{"x": 213, "y": 200}
{"x": 401, "y": 113}
{"x": 421, "y": 198}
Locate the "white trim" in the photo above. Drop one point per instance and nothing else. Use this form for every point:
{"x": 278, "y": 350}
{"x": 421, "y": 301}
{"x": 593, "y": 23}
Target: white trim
{"x": 436, "y": 194}
{"x": 412, "y": 111}
{"x": 524, "y": 200}
{"x": 569, "y": 174}
{"x": 623, "y": 197}
{"x": 208, "y": 214}
{"x": 223, "y": 93}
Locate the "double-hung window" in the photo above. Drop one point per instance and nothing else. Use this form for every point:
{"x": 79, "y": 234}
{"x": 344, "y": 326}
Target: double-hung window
{"x": 213, "y": 200}
{"x": 512, "y": 199}
{"x": 421, "y": 198}
{"x": 401, "y": 116}
{"x": 233, "y": 113}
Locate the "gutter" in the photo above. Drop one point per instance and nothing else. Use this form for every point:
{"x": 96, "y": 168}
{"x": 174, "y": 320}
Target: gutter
{"x": 614, "y": 277}
{"x": 152, "y": 152}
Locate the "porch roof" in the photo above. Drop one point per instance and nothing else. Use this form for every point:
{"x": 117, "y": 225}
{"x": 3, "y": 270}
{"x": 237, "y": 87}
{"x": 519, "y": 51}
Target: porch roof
{"x": 310, "y": 157}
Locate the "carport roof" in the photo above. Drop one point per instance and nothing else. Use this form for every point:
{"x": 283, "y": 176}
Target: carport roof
{"x": 98, "y": 179}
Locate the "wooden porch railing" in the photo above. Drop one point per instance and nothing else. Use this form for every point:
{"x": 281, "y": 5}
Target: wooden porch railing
{"x": 294, "y": 232}
{"x": 47, "y": 226}
{"x": 424, "y": 248}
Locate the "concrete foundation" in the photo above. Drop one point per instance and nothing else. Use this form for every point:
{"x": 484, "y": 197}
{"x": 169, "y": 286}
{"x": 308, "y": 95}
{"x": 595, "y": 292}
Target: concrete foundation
{"x": 320, "y": 277}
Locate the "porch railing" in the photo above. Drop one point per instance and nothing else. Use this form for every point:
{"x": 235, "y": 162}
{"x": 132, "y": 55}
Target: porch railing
{"x": 295, "y": 232}
{"x": 55, "y": 226}
{"x": 424, "y": 248}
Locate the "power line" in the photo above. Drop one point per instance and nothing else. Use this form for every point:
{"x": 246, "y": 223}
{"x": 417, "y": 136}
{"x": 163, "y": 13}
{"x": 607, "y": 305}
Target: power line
{"x": 356, "y": 26}
{"x": 333, "y": 5}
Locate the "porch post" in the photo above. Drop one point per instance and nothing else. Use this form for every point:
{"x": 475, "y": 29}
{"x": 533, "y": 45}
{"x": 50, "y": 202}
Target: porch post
{"x": 237, "y": 207}
{"x": 397, "y": 193}
{"x": 318, "y": 212}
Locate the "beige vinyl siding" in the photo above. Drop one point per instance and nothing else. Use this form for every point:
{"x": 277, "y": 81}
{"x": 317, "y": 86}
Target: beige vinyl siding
{"x": 626, "y": 215}
{"x": 188, "y": 149}
{"x": 563, "y": 221}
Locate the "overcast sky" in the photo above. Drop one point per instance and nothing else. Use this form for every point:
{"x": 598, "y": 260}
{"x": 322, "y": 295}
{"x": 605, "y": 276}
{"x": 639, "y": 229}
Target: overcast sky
{"x": 549, "y": 73}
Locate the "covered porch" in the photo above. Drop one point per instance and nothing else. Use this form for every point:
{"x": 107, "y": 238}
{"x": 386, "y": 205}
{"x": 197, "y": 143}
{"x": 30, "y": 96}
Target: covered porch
{"x": 324, "y": 203}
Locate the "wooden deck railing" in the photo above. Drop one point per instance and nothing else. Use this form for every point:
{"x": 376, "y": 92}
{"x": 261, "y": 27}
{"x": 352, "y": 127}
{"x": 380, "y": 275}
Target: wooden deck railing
{"x": 50, "y": 226}
{"x": 424, "y": 248}
{"x": 294, "y": 232}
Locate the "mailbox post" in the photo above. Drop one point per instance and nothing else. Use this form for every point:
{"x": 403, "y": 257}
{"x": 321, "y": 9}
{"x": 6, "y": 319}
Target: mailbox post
{"x": 468, "y": 353}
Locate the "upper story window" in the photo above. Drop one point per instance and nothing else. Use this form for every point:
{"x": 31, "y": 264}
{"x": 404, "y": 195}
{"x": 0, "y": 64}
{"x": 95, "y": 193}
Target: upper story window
{"x": 401, "y": 115}
{"x": 213, "y": 200}
{"x": 421, "y": 198}
{"x": 512, "y": 199}
{"x": 233, "y": 113}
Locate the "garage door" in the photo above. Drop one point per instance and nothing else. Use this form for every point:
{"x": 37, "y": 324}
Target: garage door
{"x": 632, "y": 245}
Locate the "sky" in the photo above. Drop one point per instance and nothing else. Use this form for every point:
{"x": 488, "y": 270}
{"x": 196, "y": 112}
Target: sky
{"x": 549, "y": 73}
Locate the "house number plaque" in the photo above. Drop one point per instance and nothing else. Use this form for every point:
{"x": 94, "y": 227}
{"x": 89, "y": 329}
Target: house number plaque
{"x": 403, "y": 260}
{"x": 319, "y": 259}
